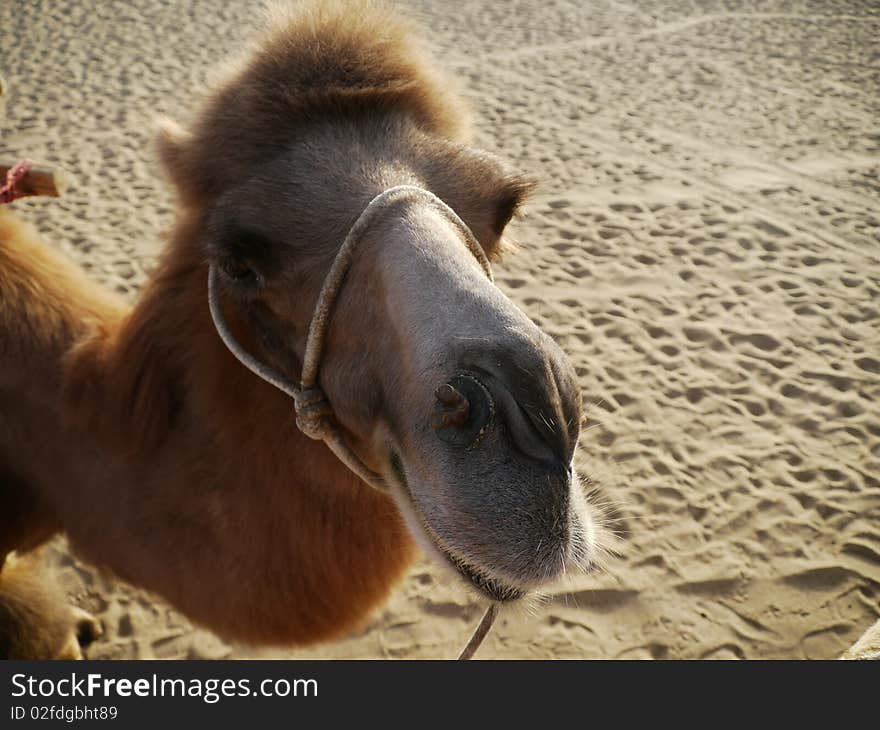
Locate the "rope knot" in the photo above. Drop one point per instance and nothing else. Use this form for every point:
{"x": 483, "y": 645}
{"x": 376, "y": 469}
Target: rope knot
{"x": 313, "y": 413}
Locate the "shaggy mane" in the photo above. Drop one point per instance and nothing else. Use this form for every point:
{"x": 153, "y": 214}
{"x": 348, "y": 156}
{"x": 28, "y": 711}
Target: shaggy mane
{"x": 319, "y": 60}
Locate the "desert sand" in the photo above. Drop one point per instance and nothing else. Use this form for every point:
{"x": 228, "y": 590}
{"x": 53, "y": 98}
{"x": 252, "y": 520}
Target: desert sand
{"x": 704, "y": 245}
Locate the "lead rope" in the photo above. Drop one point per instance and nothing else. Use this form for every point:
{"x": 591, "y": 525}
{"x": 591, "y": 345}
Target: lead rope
{"x": 314, "y": 414}
{"x": 480, "y": 632}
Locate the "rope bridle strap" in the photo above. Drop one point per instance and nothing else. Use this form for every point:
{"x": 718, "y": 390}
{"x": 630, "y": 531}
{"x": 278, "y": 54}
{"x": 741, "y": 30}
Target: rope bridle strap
{"x": 314, "y": 413}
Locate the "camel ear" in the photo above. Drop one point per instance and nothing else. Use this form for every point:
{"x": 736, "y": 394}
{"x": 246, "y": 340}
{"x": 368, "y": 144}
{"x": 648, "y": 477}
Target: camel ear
{"x": 172, "y": 141}
{"x": 512, "y": 194}
{"x": 484, "y": 190}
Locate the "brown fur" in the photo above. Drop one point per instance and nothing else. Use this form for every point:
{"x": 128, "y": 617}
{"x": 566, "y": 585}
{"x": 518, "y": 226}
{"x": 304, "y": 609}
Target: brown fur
{"x": 286, "y": 84}
{"x": 113, "y": 386}
{"x": 35, "y": 621}
{"x": 141, "y": 437}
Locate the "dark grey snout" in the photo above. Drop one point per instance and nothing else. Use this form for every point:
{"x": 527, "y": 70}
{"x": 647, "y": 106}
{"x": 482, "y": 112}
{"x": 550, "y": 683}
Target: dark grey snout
{"x": 508, "y": 416}
{"x": 498, "y": 497}
{"x": 526, "y": 388}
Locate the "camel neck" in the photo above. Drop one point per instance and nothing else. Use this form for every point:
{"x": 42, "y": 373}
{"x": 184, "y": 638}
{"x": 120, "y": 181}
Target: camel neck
{"x": 169, "y": 347}
{"x": 203, "y": 468}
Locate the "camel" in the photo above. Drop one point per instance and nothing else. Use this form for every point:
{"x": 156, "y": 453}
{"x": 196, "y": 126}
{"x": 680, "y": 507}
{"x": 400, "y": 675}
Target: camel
{"x": 137, "y": 433}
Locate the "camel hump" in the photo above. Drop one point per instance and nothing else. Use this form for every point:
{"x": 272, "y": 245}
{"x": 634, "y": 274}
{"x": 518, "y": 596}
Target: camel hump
{"x": 47, "y": 303}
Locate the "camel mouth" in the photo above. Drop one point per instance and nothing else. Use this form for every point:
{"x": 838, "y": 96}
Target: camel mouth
{"x": 492, "y": 588}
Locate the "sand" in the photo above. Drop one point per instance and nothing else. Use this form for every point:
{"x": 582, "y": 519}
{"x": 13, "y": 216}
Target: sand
{"x": 704, "y": 245}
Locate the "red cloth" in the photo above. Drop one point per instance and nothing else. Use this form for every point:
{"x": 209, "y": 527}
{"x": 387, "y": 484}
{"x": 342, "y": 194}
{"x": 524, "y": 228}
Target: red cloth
{"x": 14, "y": 175}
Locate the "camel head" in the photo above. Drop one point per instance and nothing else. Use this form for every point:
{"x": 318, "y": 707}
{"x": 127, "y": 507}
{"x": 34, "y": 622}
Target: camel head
{"x": 437, "y": 380}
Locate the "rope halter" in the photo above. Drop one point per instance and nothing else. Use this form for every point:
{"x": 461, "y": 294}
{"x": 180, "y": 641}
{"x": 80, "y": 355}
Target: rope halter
{"x": 314, "y": 414}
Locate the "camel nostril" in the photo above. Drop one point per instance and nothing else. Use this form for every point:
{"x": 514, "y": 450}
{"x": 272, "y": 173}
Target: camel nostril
{"x": 449, "y": 396}
{"x": 463, "y": 409}
{"x": 454, "y": 408}
{"x": 455, "y": 419}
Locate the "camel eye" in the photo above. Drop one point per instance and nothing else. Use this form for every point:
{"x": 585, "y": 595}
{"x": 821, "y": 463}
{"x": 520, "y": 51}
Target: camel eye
{"x": 238, "y": 272}
{"x": 245, "y": 257}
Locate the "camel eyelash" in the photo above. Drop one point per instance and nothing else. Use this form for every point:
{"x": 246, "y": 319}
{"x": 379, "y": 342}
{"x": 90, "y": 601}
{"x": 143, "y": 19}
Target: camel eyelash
{"x": 242, "y": 256}
{"x": 239, "y": 273}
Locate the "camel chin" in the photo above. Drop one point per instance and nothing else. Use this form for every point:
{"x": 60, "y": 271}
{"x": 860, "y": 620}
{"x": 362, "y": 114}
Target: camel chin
{"x": 479, "y": 554}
